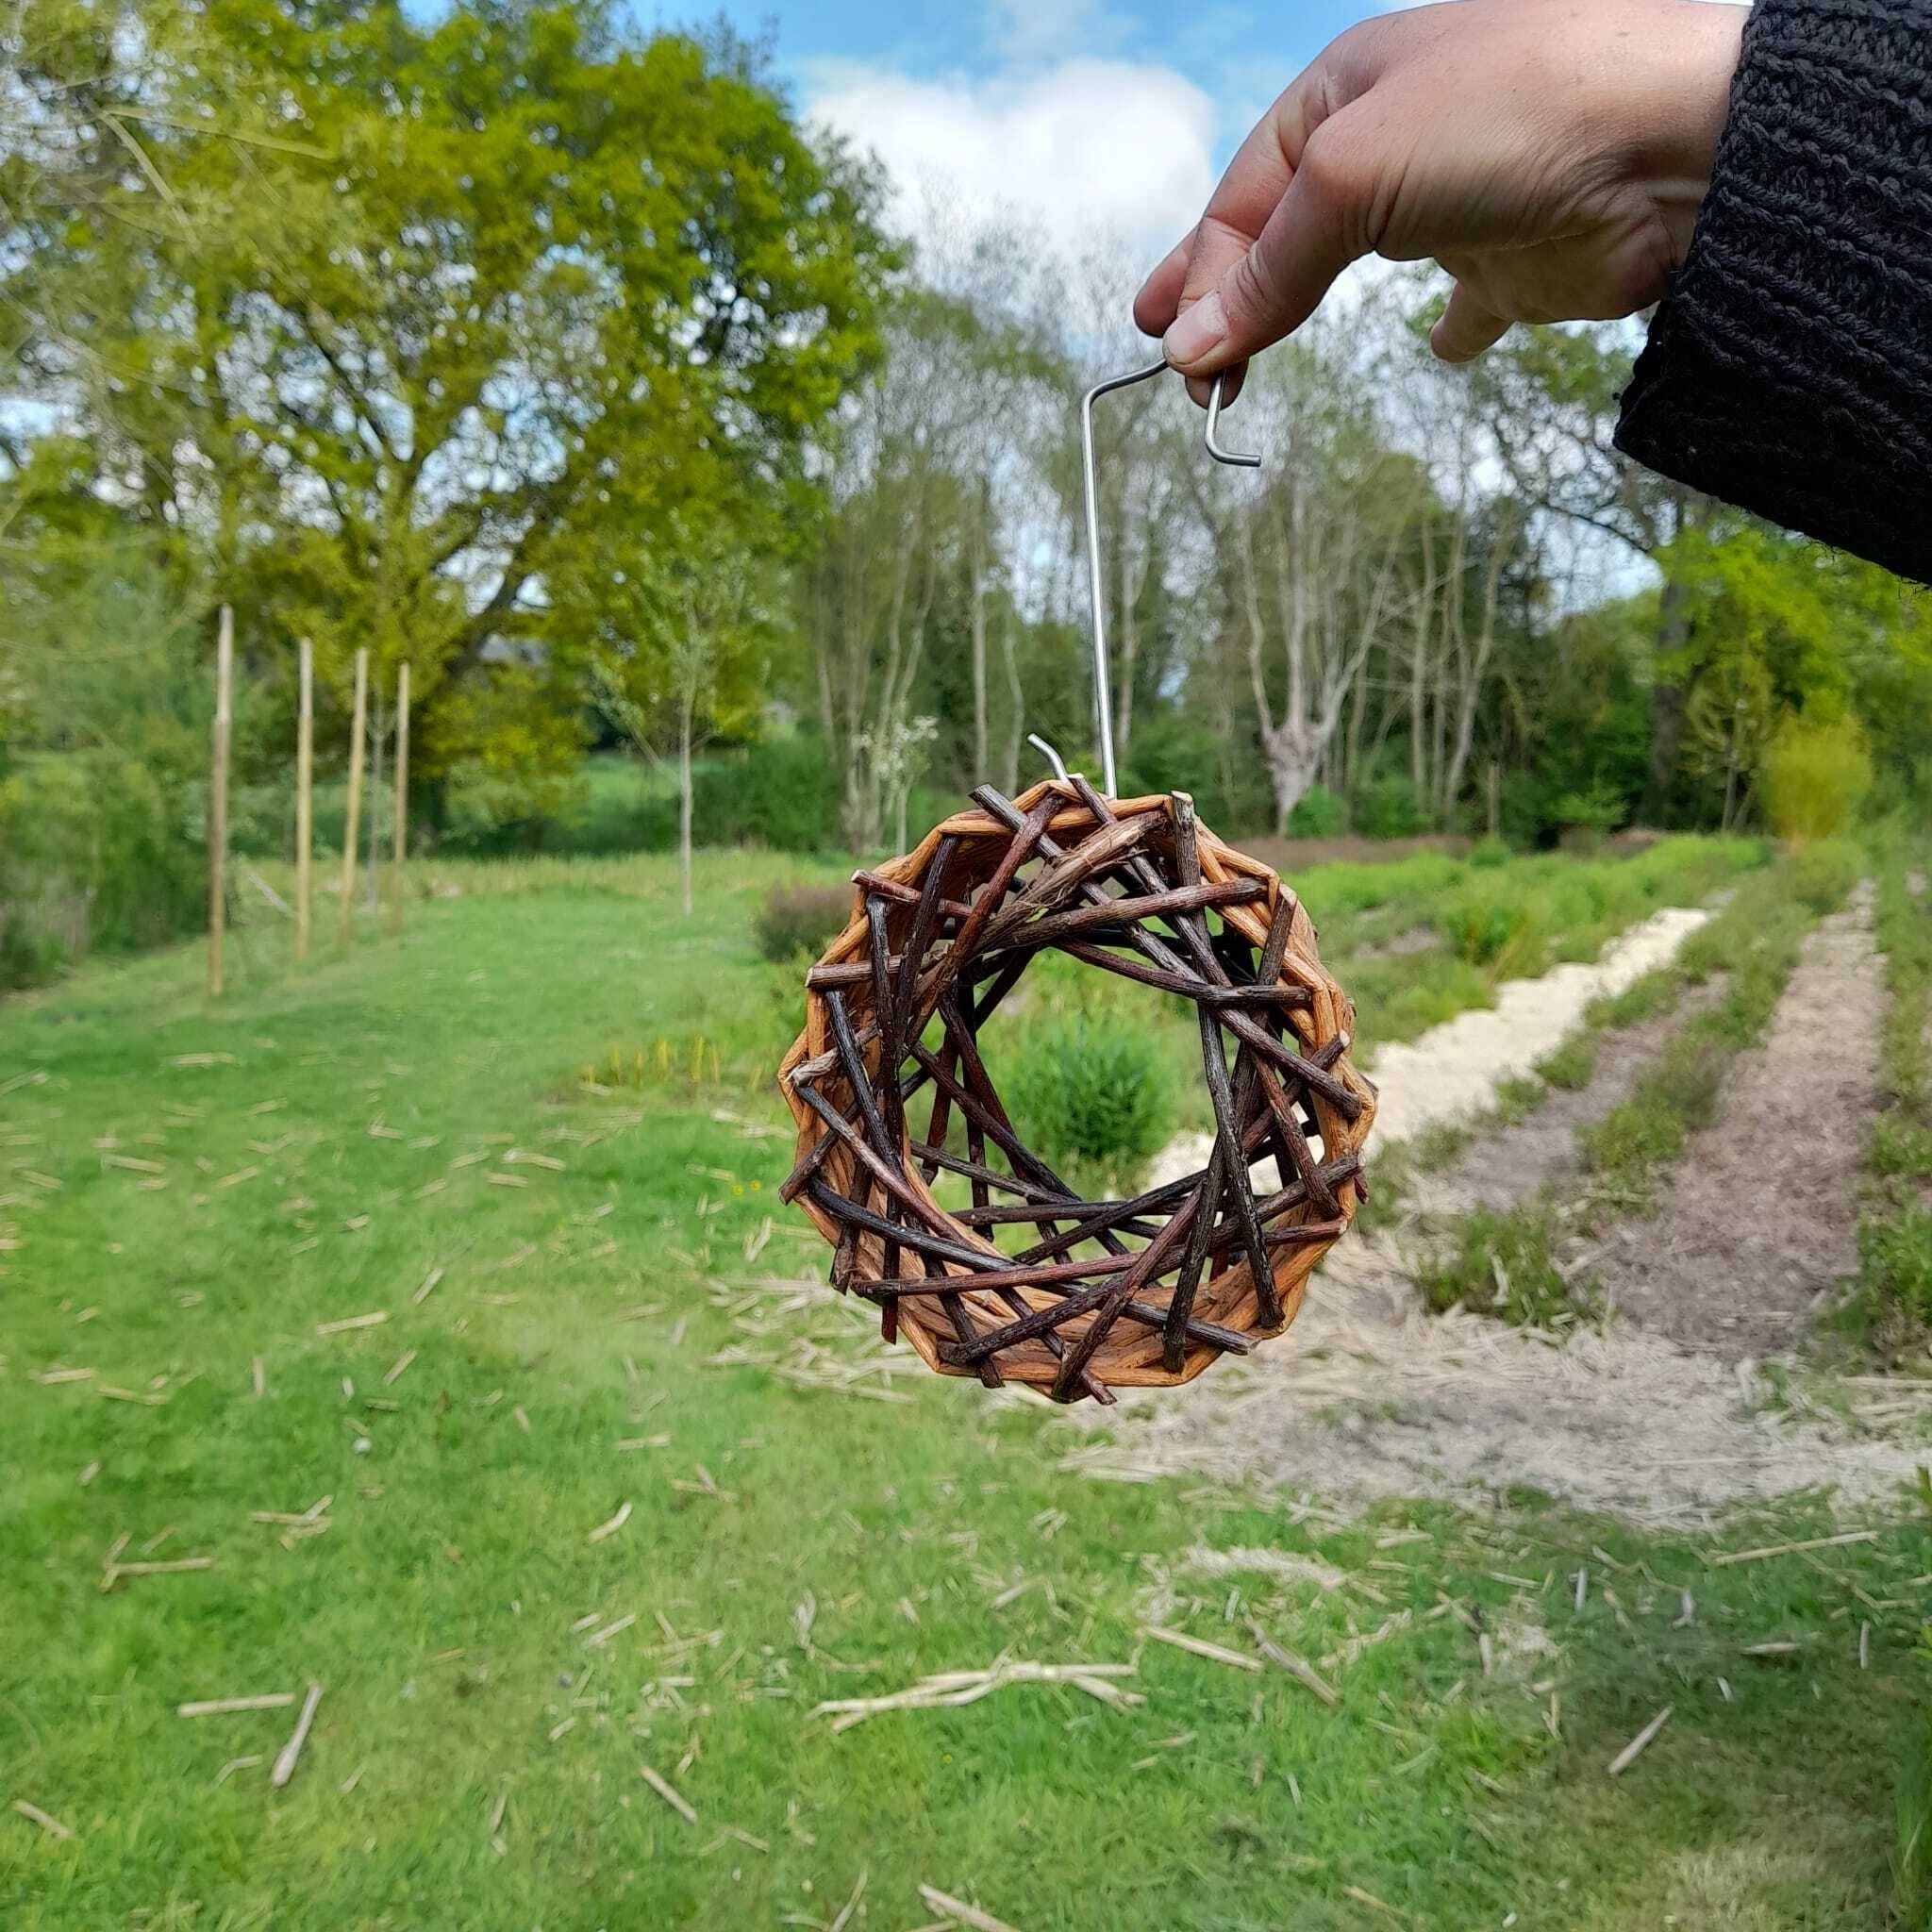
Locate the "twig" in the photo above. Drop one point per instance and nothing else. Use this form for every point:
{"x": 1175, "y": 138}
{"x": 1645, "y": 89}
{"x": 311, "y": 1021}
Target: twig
{"x": 219, "y": 1707}
{"x": 851, "y": 1904}
{"x": 1816, "y": 1542}
{"x": 285, "y": 1764}
{"x": 610, "y": 1528}
{"x": 958, "y": 1911}
{"x": 348, "y": 1322}
{"x": 1369, "y": 1898}
{"x": 1302, "y": 1671}
{"x": 1627, "y": 1756}
{"x": 115, "y": 1572}
{"x": 665, "y": 1792}
{"x": 33, "y": 1815}
{"x": 269, "y": 892}
{"x": 1200, "y": 1647}
{"x": 948, "y": 1689}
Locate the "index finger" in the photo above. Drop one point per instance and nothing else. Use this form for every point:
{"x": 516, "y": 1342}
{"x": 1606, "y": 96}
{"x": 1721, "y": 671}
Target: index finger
{"x": 1260, "y": 175}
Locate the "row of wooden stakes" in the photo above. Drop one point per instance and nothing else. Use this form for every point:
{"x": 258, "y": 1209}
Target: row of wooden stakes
{"x": 305, "y": 797}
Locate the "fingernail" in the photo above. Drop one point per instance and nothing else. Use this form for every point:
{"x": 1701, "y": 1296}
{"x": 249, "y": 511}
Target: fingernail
{"x": 1195, "y": 331}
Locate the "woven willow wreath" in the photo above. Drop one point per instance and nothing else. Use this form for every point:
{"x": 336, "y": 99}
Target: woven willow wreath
{"x": 1145, "y": 1291}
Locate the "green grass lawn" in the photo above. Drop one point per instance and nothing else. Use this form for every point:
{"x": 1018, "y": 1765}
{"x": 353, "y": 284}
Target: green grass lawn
{"x": 188, "y": 1193}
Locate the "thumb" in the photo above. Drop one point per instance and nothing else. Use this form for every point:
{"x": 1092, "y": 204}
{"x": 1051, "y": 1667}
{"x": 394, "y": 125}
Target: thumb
{"x": 1465, "y": 328}
{"x": 1317, "y": 229}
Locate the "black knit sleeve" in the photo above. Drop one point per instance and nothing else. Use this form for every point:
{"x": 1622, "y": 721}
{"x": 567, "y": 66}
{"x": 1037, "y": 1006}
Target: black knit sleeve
{"x": 1789, "y": 368}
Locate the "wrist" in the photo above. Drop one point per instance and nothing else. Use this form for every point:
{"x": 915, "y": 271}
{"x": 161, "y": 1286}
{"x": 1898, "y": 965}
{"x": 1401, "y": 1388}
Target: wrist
{"x": 1684, "y": 96}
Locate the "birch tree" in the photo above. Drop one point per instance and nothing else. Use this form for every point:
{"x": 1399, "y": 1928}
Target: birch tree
{"x": 1314, "y": 554}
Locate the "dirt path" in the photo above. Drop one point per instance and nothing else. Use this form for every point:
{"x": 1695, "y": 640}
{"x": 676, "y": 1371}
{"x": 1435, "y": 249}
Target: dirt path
{"x": 1761, "y": 1216}
{"x": 1508, "y": 1164}
{"x": 1453, "y": 1069}
{"x": 1370, "y": 1397}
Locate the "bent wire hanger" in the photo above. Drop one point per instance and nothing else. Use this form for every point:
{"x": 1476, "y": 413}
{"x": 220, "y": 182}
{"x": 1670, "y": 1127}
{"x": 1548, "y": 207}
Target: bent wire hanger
{"x": 1103, "y": 693}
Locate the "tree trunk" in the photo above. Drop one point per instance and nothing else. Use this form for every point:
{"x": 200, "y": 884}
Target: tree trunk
{"x": 684, "y": 730}
{"x": 1016, "y": 733}
{"x": 1666, "y": 703}
{"x": 1129, "y": 647}
{"x": 979, "y": 615}
{"x": 1293, "y": 758}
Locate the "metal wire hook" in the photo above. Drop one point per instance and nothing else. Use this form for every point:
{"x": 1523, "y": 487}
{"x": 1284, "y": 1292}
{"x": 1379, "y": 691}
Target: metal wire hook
{"x": 1048, "y": 753}
{"x": 1103, "y": 693}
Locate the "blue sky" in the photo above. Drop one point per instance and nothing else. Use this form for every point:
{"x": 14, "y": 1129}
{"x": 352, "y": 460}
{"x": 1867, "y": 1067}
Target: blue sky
{"x": 1094, "y": 118}
{"x": 1219, "y": 46}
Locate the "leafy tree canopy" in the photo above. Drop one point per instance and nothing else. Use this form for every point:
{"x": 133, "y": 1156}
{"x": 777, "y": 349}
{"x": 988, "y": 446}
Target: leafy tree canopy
{"x": 386, "y": 324}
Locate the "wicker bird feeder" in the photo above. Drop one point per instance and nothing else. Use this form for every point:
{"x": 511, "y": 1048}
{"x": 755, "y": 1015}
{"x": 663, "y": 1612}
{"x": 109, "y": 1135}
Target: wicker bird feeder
{"x": 1084, "y": 1296}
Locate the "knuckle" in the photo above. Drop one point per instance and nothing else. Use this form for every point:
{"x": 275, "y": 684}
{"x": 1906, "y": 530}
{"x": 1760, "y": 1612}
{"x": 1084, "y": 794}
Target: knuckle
{"x": 1249, "y": 294}
{"x": 1335, "y": 169}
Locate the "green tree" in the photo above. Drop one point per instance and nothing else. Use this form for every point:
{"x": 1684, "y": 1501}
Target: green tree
{"x": 383, "y": 364}
{"x": 688, "y": 637}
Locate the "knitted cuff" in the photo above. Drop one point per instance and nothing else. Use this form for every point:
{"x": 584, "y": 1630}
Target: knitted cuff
{"x": 1789, "y": 368}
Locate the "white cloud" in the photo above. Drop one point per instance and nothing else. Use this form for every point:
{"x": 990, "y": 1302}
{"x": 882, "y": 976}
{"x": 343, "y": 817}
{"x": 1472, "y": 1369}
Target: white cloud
{"x": 1026, "y": 30}
{"x": 1087, "y": 148}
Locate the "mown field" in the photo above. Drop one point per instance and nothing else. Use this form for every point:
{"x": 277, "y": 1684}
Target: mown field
{"x": 612, "y": 1488}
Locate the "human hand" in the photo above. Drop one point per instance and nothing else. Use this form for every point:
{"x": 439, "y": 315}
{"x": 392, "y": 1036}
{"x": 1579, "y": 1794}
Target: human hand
{"x": 1550, "y": 154}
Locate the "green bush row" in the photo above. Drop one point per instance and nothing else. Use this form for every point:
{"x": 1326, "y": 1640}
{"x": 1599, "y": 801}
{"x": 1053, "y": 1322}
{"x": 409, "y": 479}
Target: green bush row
{"x": 96, "y": 854}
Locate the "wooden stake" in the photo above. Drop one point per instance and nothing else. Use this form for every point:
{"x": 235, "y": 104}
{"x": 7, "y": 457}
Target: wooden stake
{"x": 372, "y": 865}
{"x": 305, "y": 791}
{"x": 402, "y": 813}
{"x": 355, "y": 801}
{"x": 218, "y": 803}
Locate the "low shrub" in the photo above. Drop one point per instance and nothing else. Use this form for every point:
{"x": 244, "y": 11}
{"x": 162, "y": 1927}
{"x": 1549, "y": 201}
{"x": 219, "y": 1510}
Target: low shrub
{"x": 1816, "y": 774}
{"x": 1482, "y": 930}
{"x": 96, "y": 854}
{"x": 1389, "y": 809}
{"x": 1089, "y": 1094}
{"x": 1490, "y": 851}
{"x": 1320, "y": 814}
{"x": 802, "y": 919}
{"x": 1822, "y": 874}
{"x": 781, "y": 792}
